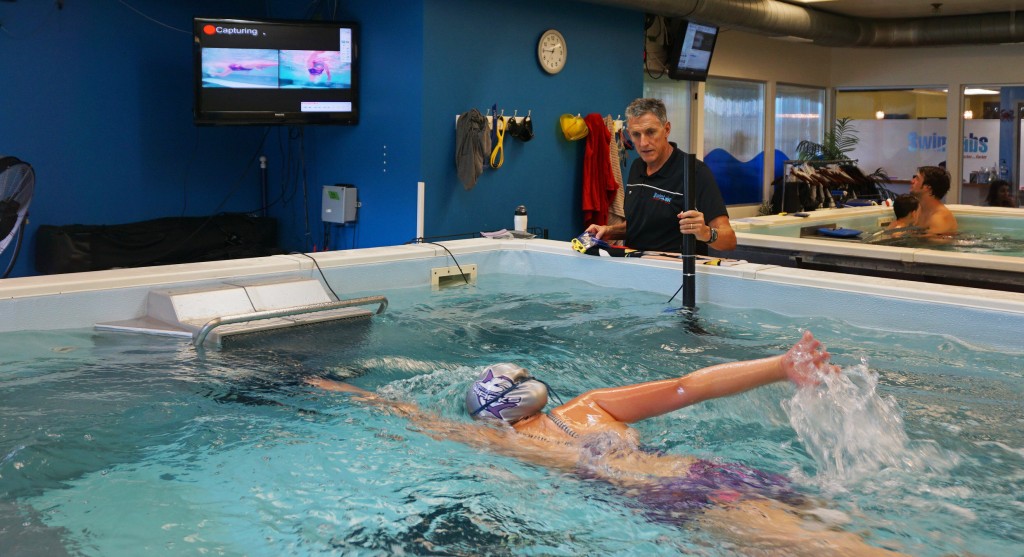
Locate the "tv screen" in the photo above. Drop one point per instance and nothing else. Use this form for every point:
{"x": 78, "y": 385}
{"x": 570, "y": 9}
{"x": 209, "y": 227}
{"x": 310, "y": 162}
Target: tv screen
{"x": 261, "y": 72}
{"x": 692, "y": 47}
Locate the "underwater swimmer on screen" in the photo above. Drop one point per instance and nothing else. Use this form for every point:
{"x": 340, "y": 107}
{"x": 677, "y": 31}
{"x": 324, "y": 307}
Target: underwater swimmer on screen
{"x": 731, "y": 500}
{"x": 222, "y": 69}
{"x": 317, "y": 66}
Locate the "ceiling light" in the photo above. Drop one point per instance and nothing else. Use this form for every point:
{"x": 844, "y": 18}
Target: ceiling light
{"x": 976, "y": 91}
{"x": 968, "y": 115}
{"x": 880, "y": 115}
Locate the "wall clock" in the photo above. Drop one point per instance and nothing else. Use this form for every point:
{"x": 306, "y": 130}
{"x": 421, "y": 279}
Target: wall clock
{"x": 551, "y": 51}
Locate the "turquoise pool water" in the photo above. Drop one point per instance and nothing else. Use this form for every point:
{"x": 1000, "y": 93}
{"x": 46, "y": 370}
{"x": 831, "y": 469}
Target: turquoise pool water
{"x": 124, "y": 445}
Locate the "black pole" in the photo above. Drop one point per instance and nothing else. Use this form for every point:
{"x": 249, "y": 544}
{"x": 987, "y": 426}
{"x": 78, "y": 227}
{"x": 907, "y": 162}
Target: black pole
{"x": 689, "y": 240}
{"x": 263, "y": 184}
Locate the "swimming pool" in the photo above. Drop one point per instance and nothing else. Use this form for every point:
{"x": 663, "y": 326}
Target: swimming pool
{"x": 988, "y": 253}
{"x": 119, "y": 444}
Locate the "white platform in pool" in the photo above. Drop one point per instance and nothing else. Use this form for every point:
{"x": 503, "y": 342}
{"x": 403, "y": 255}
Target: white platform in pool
{"x": 237, "y": 307}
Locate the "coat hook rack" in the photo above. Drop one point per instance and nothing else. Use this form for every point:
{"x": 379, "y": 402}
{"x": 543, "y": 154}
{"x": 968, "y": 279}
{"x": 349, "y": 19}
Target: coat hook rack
{"x": 490, "y": 117}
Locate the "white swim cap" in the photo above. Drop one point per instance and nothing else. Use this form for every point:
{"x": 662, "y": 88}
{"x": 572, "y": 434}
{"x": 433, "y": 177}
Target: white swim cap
{"x": 505, "y": 392}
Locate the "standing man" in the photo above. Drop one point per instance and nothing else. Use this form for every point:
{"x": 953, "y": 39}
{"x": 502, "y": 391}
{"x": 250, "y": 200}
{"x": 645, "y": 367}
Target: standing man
{"x": 929, "y": 186}
{"x": 655, "y": 219}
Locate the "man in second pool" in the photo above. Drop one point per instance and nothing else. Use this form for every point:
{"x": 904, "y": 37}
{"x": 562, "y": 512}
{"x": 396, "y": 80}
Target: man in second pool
{"x": 590, "y": 436}
{"x": 929, "y": 186}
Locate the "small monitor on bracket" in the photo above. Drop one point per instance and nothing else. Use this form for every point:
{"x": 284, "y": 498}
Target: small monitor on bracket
{"x": 691, "y": 50}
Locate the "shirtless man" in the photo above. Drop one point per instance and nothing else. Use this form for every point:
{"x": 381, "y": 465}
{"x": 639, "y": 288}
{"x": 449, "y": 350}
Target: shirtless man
{"x": 929, "y": 186}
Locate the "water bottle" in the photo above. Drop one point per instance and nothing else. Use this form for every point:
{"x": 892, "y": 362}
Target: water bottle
{"x": 1004, "y": 171}
{"x": 520, "y": 218}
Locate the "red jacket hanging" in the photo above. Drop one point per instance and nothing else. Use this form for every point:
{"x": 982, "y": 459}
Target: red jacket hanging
{"x": 599, "y": 184}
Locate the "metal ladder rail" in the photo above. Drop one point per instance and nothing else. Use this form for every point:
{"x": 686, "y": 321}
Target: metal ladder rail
{"x": 199, "y": 337}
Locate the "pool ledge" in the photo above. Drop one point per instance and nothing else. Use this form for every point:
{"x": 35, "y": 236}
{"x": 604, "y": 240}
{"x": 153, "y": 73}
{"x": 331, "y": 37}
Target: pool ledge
{"x": 81, "y": 299}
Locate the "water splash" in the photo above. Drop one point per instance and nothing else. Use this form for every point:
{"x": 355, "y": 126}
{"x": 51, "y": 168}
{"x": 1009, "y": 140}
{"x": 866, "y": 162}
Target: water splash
{"x": 847, "y": 427}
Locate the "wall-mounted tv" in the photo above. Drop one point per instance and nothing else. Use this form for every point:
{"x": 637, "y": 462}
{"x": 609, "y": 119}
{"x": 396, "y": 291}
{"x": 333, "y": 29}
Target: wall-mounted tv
{"x": 691, "y": 50}
{"x": 261, "y": 72}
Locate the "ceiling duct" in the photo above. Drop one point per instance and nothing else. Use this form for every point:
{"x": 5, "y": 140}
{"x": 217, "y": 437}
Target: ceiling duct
{"x": 781, "y": 19}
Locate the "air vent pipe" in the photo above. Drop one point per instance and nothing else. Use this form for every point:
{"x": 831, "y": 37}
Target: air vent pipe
{"x": 781, "y": 19}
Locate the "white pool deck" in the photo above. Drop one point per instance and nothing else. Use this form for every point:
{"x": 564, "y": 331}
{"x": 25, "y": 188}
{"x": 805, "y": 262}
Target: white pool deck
{"x": 80, "y": 300}
{"x": 747, "y": 237}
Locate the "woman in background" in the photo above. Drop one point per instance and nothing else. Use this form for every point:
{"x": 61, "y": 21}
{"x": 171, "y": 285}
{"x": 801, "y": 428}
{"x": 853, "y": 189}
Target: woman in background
{"x": 999, "y": 194}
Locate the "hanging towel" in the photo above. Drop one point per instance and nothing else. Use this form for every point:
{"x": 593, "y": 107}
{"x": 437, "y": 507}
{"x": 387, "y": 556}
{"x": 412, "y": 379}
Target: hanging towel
{"x": 617, "y": 209}
{"x": 598, "y": 183}
{"x": 472, "y": 145}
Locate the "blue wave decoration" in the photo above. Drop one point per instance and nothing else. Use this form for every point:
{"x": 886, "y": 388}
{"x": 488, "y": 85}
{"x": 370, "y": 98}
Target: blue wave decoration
{"x": 740, "y": 182}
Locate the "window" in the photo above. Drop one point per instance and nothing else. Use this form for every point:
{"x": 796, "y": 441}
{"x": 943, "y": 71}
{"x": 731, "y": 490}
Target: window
{"x": 734, "y": 138}
{"x": 799, "y": 116}
{"x": 992, "y": 122}
{"x": 898, "y": 130}
{"x": 676, "y": 96}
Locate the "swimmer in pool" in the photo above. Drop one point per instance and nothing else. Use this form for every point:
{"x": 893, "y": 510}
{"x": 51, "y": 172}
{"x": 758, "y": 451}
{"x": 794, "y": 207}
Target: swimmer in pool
{"x": 906, "y": 209}
{"x": 222, "y": 69}
{"x": 318, "y": 67}
{"x": 929, "y": 186}
{"x": 735, "y": 501}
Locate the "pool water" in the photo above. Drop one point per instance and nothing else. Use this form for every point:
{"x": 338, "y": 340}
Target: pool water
{"x": 117, "y": 445}
{"x": 990, "y": 235}
{"x": 981, "y": 235}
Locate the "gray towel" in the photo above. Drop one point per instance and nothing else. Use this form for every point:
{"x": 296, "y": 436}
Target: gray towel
{"x": 472, "y": 145}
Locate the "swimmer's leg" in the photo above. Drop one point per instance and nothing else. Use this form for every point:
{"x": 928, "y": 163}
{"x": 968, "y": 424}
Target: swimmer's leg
{"x": 763, "y": 525}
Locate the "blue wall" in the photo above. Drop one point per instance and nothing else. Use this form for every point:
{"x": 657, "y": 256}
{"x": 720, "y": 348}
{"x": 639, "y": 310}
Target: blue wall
{"x": 481, "y": 53}
{"x": 98, "y": 98}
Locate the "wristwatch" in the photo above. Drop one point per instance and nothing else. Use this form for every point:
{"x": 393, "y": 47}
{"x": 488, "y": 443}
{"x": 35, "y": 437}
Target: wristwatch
{"x": 714, "y": 236}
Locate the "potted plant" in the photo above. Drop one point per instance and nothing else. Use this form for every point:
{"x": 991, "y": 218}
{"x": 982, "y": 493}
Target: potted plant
{"x": 837, "y": 142}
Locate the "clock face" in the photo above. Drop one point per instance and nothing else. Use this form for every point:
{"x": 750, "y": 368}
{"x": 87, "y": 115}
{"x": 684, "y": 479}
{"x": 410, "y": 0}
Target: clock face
{"x": 551, "y": 51}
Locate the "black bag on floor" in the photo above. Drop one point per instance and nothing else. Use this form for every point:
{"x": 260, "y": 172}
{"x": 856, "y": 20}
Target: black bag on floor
{"x": 78, "y": 247}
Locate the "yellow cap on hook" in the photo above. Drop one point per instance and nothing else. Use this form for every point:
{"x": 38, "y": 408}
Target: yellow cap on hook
{"x": 573, "y": 127}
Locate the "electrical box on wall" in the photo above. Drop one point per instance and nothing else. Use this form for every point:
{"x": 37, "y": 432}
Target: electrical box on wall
{"x": 339, "y": 204}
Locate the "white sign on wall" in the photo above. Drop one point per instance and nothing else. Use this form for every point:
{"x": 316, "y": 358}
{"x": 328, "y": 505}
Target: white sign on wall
{"x": 899, "y": 147}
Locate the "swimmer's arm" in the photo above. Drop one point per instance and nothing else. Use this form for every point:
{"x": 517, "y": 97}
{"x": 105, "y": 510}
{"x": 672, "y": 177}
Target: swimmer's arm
{"x": 339, "y": 386}
{"x": 645, "y": 400}
{"x": 501, "y": 440}
{"x": 362, "y": 395}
